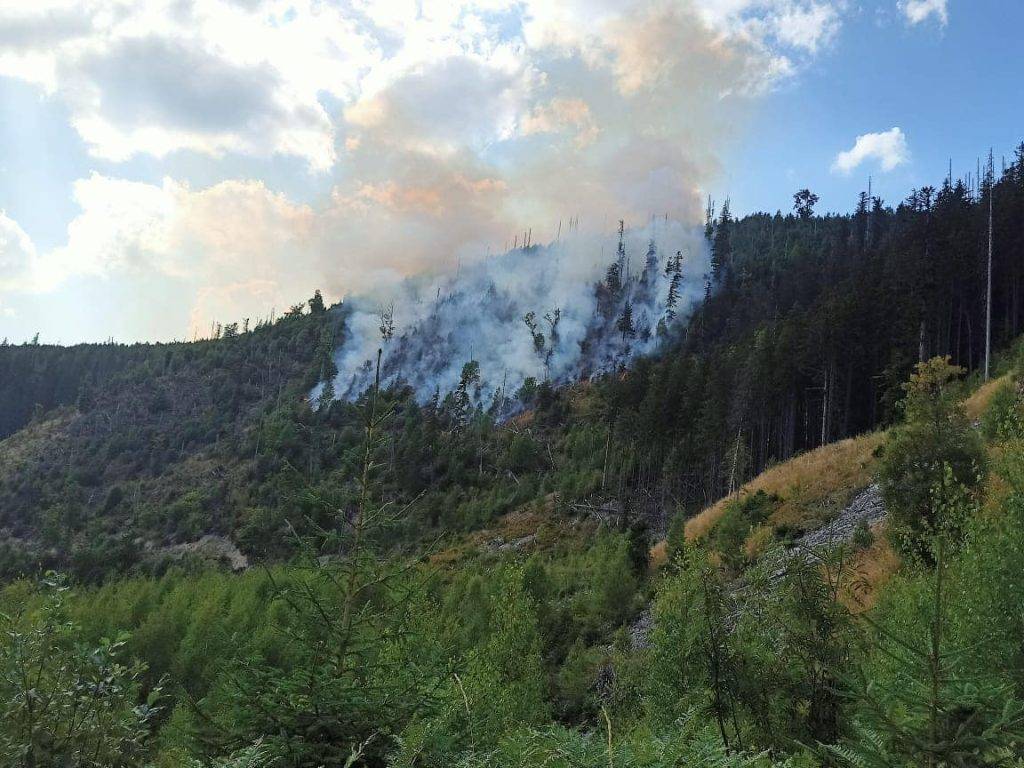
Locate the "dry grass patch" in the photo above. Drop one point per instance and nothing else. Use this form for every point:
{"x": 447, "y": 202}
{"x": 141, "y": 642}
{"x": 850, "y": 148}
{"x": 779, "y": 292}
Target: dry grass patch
{"x": 977, "y": 403}
{"x": 658, "y": 556}
{"x": 758, "y": 541}
{"x": 807, "y": 484}
{"x": 872, "y": 569}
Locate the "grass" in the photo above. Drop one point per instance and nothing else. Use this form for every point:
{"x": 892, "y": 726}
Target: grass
{"x": 809, "y": 485}
{"x": 977, "y": 403}
{"x": 873, "y": 567}
{"x": 658, "y": 555}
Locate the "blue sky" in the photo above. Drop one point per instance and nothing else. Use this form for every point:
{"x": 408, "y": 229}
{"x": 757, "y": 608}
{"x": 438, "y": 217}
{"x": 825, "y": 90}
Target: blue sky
{"x": 169, "y": 164}
{"x": 954, "y": 90}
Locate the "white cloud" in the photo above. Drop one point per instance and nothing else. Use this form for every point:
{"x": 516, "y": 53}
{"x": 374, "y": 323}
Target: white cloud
{"x": 809, "y": 26}
{"x": 805, "y": 25}
{"x": 918, "y": 11}
{"x": 889, "y": 148}
{"x": 215, "y": 76}
{"x": 17, "y": 254}
{"x": 207, "y": 75}
{"x": 242, "y": 247}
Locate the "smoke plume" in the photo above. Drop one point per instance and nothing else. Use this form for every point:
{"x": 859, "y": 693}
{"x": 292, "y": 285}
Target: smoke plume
{"x": 571, "y": 309}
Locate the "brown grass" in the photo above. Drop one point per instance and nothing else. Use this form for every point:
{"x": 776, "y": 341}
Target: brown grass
{"x": 658, "y": 555}
{"x": 758, "y": 541}
{"x": 807, "y": 483}
{"x": 977, "y": 403}
{"x": 873, "y": 567}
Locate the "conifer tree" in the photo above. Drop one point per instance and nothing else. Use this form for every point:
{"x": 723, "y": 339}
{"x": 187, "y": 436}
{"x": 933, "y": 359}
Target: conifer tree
{"x": 804, "y": 202}
{"x": 316, "y": 303}
{"x": 625, "y": 323}
{"x": 721, "y": 246}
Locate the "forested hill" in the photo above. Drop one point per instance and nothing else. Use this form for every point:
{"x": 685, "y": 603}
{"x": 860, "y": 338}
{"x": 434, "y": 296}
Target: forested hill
{"x": 111, "y": 453}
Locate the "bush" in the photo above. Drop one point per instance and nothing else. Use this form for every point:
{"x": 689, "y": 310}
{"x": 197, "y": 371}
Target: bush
{"x": 935, "y": 448}
{"x": 1002, "y": 419}
{"x": 863, "y": 537}
{"x": 739, "y": 519}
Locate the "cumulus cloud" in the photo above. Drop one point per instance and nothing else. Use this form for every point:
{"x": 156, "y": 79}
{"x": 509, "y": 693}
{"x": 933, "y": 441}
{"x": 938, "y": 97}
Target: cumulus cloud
{"x": 17, "y": 254}
{"x": 918, "y": 11}
{"x": 808, "y": 27}
{"x": 888, "y": 148}
{"x": 232, "y": 242}
{"x": 202, "y": 75}
{"x": 448, "y": 128}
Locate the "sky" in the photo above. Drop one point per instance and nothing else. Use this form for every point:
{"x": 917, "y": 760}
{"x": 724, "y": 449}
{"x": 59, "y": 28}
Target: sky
{"x": 166, "y": 165}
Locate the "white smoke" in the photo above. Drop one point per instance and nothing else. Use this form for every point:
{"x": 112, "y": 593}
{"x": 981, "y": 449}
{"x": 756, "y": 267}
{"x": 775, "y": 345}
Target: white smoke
{"x": 477, "y": 313}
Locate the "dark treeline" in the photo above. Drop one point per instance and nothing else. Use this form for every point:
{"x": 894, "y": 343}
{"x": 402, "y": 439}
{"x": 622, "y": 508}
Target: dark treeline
{"x": 814, "y": 323}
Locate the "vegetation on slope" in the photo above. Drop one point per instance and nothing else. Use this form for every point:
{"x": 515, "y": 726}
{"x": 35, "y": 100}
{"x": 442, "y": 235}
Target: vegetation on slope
{"x": 810, "y": 327}
{"x": 532, "y": 656}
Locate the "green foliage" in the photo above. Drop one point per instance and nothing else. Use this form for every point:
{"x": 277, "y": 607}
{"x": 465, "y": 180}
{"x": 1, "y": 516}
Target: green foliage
{"x": 675, "y": 537}
{"x": 64, "y": 702}
{"x": 934, "y": 452}
{"x": 353, "y": 647}
{"x": 1003, "y": 419}
{"x": 690, "y": 741}
{"x": 918, "y": 700}
{"x": 499, "y": 686}
{"x": 678, "y": 668}
{"x": 863, "y": 537}
{"x": 741, "y": 516}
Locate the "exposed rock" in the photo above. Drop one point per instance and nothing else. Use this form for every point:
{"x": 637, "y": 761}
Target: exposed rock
{"x": 499, "y": 544}
{"x": 213, "y": 547}
{"x": 640, "y": 630}
{"x": 866, "y": 507}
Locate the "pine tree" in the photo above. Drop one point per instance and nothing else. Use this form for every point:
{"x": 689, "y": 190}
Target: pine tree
{"x": 387, "y": 322}
{"x": 327, "y": 395}
{"x": 539, "y": 342}
{"x": 675, "y": 269}
{"x": 613, "y": 279}
{"x": 673, "y": 297}
{"x": 721, "y": 246}
{"x": 625, "y": 323}
{"x": 621, "y": 258}
{"x": 804, "y": 202}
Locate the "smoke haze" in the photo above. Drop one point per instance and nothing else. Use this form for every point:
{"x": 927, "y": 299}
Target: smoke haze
{"x": 564, "y": 311}
{"x": 351, "y": 145}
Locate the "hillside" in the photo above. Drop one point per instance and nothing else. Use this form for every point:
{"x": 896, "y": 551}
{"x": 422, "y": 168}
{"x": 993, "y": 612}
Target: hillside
{"x": 809, "y": 327}
{"x": 114, "y": 450}
{"x": 536, "y": 631}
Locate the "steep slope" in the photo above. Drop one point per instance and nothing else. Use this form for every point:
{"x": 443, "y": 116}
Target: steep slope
{"x": 156, "y": 445}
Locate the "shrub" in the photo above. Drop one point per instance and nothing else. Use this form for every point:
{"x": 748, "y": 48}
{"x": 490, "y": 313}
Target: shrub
{"x": 935, "y": 448}
{"x": 740, "y": 517}
{"x": 1002, "y": 418}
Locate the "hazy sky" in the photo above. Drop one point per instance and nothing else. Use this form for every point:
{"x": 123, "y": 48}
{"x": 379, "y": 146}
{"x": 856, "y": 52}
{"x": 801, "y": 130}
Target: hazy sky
{"x": 165, "y": 164}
